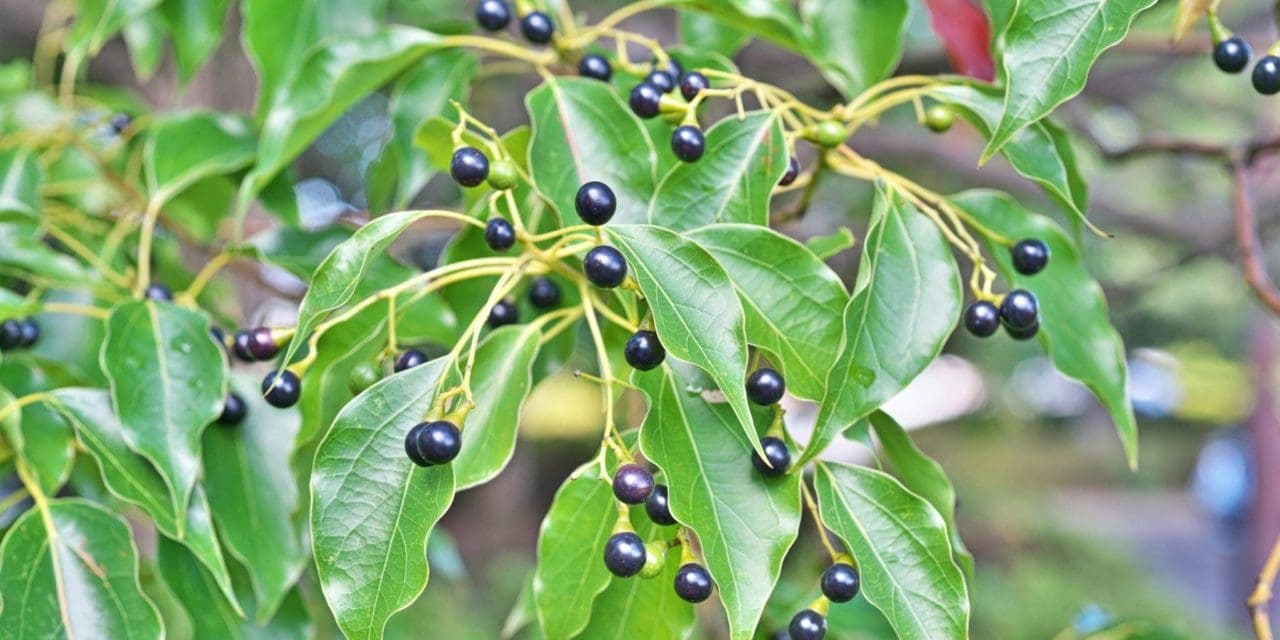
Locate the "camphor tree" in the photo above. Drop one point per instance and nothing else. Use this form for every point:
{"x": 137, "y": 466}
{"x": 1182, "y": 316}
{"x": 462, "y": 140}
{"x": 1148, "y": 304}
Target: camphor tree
{"x": 621, "y": 222}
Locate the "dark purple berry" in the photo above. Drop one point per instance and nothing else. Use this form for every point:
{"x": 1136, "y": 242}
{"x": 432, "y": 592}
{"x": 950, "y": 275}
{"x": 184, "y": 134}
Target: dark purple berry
{"x": 688, "y": 143}
{"x": 469, "y": 167}
{"x": 409, "y": 359}
{"x": 808, "y": 625}
{"x": 283, "y": 389}
{"x": 240, "y": 346}
{"x": 431, "y": 443}
{"x": 595, "y": 66}
{"x": 595, "y": 203}
{"x": 765, "y": 386}
{"x": 632, "y": 484}
{"x": 644, "y": 351}
{"x": 982, "y": 319}
{"x": 537, "y": 27}
{"x": 1019, "y": 310}
{"x": 840, "y": 582}
{"x": 692, "y": 84}
{"x": 1232, "y": 55}
{"x": 493, "y": 15}
{"x": 499, "y": 234}
{"x": 778, "y": 454}
{"x": 658, "y": 508}
{"x": 544, "y": 294}
{"x": 605, "y": 267}
{"x": 262, "y": 346}
{"x": 646, "y": 100}
{"x": 1266, "y": 75}
{"x": 793, "y": 172}
{"x": 693, "y": 583}
{"x": 159, "y": 292}
{"x": 503, "y": 313}
{"x": 624, "y": 554}
{"x": 662, "y": 80}
{"x": 233, "y": 410}
{"x": 1030, "y": 256}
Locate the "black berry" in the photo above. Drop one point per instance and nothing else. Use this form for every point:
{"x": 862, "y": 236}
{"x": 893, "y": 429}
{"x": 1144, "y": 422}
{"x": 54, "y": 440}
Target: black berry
{"x": 688, "y": 143}
{"x": 469, "y": 167}
{"x": 261, "y": 345}
{"x": 233, "y": 410}
{"x": 537, "y": 27}
{"x": 158, "y": 291}
{"x": 693, "y": 583}
{"x": 808, "y": 625}
{"x": 658, "y": 508}
{"x": 499, "y": 234}
{"x": 282, "y": 390}
{"x": 624, "y": 554}
{"x": 662, "y": 80}
{"x": 431, "y": 443}
{"x": 30, "y": 333}
{"x": 503, "y": 313}
{"x": 632, "y": 484}
{"x": 982, "y": 319}
{"x": 605, "y": 267}
{"x": 240, "y": 345}
{"x": 1019, "y": 311}
{"x": 692, "y": 84}
{"x": 595, "y": 66}
{"x": 218, "y": 336}
{"x": 1030, "y": 256}
{"x": 595, "y": 203}
{"x": 778, "y": 454}
{"x": 120, "y": 122}
{"x": 11, "y": 334}
{"x": 544, "y": 294}
{"x": 840, "y": 582}
{"x": 409, "y": 359}
{"x": 1266, "y": 75}
{"x": 1232, "y": 55}
{"x": 1024, "y": 334}
{"x": 765, "y": 386}
{"x": 793, "y": 172}
{"x": 644, "y": 351}
{"x": 646, "y": 100}
{"x": 673, "y": 68}
{"x": 493, "y": 15}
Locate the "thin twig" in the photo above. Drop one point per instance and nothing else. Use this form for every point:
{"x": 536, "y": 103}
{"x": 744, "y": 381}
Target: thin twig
{"x": 1251, "y": 253}
{"x": 1261, "y": 596}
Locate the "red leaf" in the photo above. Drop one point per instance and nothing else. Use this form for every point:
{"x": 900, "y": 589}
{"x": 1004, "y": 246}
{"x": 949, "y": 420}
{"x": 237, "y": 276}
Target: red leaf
{"x": 966, "y": 35}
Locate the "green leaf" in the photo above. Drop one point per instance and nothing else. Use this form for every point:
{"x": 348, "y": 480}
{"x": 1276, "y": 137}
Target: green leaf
{"x": 901, "y": 547}
{"x": 22, "y": 250}
{"x": 197, "y": 27}
{"x": 794, "y": 303}
{"x": 168, "y": 380}
{"x": 326, "y": 387}
{"x": 372, "y": 508}
{"x": 20, "y": 178}
{"x": 696, "y": 314}
{"x": 73, "y": 572}
{"x": 1041, "y": 152}
{"x": 733, "y": 183}
{"x": 856, "y": 43}
{"x": 774, "y": 20}
{"x": 571, "y": 572}
{"x": 182, "y": 149}
{"x": 709, "y": 34}
{"x": 502, "y": 377}
{"x": 1074, "y": 328}
{"x": 145, "y": 37}
{"x": 582, "y": 131}
{"x": 1048, "y": 50}
{"x": 132, "y": 478}
{"x": 253, "y": 494}
{"x": 745, "y": 522}
{"x": 831, "y": 244}
{"x": 922, "y": 476}
{"x": 905, "y": 305}
{"x": 99, "y": 20}
{"x": 41, "y": 440}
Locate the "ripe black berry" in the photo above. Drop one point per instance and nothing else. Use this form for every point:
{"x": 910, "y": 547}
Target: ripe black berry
{"x": 240, "y": 346}
{"x": 624, "y": 554}
{"x": 120, "y": 122}
{"x": 261, "y": 345}
{"x": 793, "y": 172}
{"x": 1024, "y": 334}
{"x": 493, "y": 15}
{"x": 469, "y": 167}
{"x": 1266, "y": 75}
{"x": 595, "y": 66}
{"x": 693, "y": 583}
{"x": 658, "y": 508}
{"x": 982, "y": 319}
{"x": 644, "y": 351}
{"x": 808, "y": 625}
{"x": 632, "y": 484}
{"x": 544, "y": 294}
{"x": 595, "y": 203}
{"x": 282, "y": 390}
{"x": 1019, "y": 310}
{"x": 1232, "y": 55}
{"x": 233, "y": 410}
{"x": 499, "y": 234}
{"x": 503, "y": 313}
{"x": 605, "y": 267}
{"x": 673, "y": 67}
{"x": 765, "y": 386}
{"x": 30, "y": 333}
{"x": 646, "y": 100}
{"x": 157, "y": 291}
{"x": 662, "y": 80}
{"x": 1030, "y": 256}
{"x": 409, "y": 359}
{"x": 11, "y": 334}
{"x": 537, "y": 27}
{"x": 688, "y": 143}
{"x": 692, "y": 84}
{"x": 840, "y": 582}
{"x": 431, "y": 443}
{"x": 778, "y": 454}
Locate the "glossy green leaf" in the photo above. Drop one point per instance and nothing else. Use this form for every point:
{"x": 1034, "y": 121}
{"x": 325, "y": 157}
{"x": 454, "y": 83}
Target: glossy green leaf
{"x": 856, "y": 43}
{"x": 745, "y": 522}
{"x": 733, "y": 183}
{"x": 901, "y": 547}
{"x": 168, "y": 380}
{"x": 97, "y": 21}
{"x": 196, "y": 27}
{"x": 184, "y": 148}
{"x": 1074, "y": 327}
{"x": 326, "y": 388}
{"x": 774, "y": 20}
{"x": 73, "y": 572}
{"x": 372, "y": 508}
{"x": 502, "y": 379}
{"x": 826, "y": 246}
{"x": 40, "y": 439}
{"x": 582, "y": 131}
{"x": 145, "y": 37}
{"x": 695, "y": 311}
{"x": 794, "y": 303}
{"x": 1048, "y": 49}
{"x": 571, "y": 571}
{"x": 20, "y": 179}
{"x": 253, "y": 494}
{"x": 904, "y": 306}
{"x": 709, "y": 34}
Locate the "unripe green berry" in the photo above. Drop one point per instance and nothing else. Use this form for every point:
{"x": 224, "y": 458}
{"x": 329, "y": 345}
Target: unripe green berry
{"x": 830, "y": 134}
{"x": 503, "y": 175}
{"x": 939, "y": 118}
{"x": 655, "y": 558}
{"x": 362, "y": 377}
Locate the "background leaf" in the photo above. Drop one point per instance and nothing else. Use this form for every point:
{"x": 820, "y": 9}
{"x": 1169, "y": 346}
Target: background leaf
{"x": 196, "y": 27}
{"x": 20, "y": 179}
{"x": 856, "y": 43}
{"x": 571, "y": 572}
{"x": 97, "y": 21}
{"x": 182, "y": 149}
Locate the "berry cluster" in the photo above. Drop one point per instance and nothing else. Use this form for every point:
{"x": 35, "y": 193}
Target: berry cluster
{"x": 649, "y": 98}
{"x": 18, "y": 334}
{"x": 1231, "y": 54}
{"x": 536, "y": 26}
{"x": 432, "y": 443}
{"x": 281, "y": 389}
{"x": 1019, "y": 311}
{"x": 840, "y": 583}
